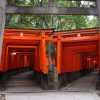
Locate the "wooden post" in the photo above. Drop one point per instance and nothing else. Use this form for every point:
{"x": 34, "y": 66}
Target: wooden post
{"x": 43, "y": 55}
{"x": 43, "y": 62}
{"x": 2, "y": 26}
{"x": 59, "y": 56}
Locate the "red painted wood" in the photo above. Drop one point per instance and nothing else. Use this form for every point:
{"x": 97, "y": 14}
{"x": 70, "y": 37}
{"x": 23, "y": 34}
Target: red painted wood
{"x": 72, "y": 51}
{"x": 20, "y": 40}
{"x": 73, "y": 62}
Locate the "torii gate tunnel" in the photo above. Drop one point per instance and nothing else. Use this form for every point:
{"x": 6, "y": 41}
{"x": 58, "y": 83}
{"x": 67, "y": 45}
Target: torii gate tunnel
{"x": 77, "y": 53}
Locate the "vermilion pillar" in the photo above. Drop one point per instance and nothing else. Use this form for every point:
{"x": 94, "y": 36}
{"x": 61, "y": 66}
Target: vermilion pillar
{"x": 26, "y": 63}
{"x": 59, "y": 56}
{"x": 43, "y": 60}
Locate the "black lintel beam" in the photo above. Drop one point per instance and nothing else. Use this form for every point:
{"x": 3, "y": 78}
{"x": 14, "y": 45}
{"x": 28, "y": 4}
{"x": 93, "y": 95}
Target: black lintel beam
{"x": 51, "y": 10}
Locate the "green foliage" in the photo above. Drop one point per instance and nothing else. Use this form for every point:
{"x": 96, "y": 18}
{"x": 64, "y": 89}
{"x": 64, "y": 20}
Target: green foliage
{"x": 28, "y": 3}
{"x": 72, "y": 3}
{"x": 59, "y": 22}
{"x": 60, "y": 3}
{"x": 66, "y": 3}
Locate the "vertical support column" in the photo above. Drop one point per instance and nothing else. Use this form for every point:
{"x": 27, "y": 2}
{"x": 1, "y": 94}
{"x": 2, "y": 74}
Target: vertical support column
{"x": 26, "y": 63}
{"x": 43, "y": 55}
{"x": 6, "y": 60}
{"x": 43, "y": 62}
{"x": 59, "y": 56}
{"x": 98, "y": 6}
{"x": 2, "y": 26}
{"x": 18, "y": 64}
{"x": 37, "y": 64}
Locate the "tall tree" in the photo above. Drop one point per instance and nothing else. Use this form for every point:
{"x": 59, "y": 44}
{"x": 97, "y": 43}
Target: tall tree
{"x": 59, "y": 22}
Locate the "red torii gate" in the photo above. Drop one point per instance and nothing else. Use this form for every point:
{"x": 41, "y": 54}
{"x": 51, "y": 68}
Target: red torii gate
{"x": 13, "y": 36}
{"x": 69, "y": 41}
{"x": 30, "y": 39}
{"x": 73, "y": 49}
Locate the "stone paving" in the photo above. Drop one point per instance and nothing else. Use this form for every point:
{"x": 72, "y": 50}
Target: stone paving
{"x": 53, "y": 96}
{"x": 23, "y": 83}
{"x": 84, "y": 84}
{"x": 21, "y": 87}
{"x": 2, "y": 97}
